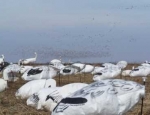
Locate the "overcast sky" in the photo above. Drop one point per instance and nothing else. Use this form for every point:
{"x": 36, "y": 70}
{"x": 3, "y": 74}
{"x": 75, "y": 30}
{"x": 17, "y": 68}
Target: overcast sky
{"x": 80, "y": 30}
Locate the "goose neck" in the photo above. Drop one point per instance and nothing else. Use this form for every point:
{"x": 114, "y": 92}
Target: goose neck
{"x": 53, "y": 105}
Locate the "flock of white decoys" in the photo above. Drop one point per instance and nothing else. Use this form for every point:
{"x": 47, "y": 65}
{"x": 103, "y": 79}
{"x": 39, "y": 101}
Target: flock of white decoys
{"x": 105, "y": 96}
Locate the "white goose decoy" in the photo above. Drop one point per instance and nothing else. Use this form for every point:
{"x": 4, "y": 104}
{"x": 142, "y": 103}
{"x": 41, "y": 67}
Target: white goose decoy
{"x": 108, "y": 65}
{"x": 3, "y": 84}
{"x": 80, "y": 65}
{"x": 9, "y": 73}
{"x": 106, "y": 97}
{"x": 34, "y": 86}
{"x": 57, "y": 63}
{"x": 25, "y": 68}
{"x": 107, "y": 73}
{"x": 2, "y": 59}
{"x": 125, "y": 73}
{"x": 140, "y": 71}
{"x": 48, "y": 98}
{"x": 87, "y": 69}
{"x": 30, "y": 60}
{"x": 122, "y": 64}
{"x": 146, "y": 63}
{"x": 69, "y": 70}
{"x": 2, "y": 66}
{"x": 40, "y": 72}
{"x": 97, "y": 69}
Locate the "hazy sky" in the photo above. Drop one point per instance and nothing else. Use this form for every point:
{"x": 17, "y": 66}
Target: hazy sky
{"x": 80, "y": 30}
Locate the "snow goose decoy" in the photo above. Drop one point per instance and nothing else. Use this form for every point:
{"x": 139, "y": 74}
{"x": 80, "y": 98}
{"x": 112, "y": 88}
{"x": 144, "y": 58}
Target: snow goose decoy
{"x": 87, "y": 69}
{"x": 57, "y": 63}
{"x": 2, "y": 66}
{"x": 40, "y": 72}
{"x": 69, "y": 70}
{"x": 108, "y": 65}
{"x": 34, "y": 86}
{"x": 29, "y": 60}
{"x": 3, "y": 85}
{"x": 125, "y": 73}
{"x": 24, "y": 68}
{"x": 80, "y": 65}
{"x": 141, "y": 71}
{"x": 9, "y": 73}
{"x": 2, "y": 59}
{"x": 106, "y": 97}
{"x": 146, "y": 63}
{"x": 107, "y": 73}
{"x": 48, "y": 98}
{"x": 122, "y": 64}
{"x": 97, "y": 69}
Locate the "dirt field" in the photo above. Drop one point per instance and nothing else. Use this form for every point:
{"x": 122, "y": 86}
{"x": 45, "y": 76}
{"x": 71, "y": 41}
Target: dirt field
{"x": 9, "y": 105}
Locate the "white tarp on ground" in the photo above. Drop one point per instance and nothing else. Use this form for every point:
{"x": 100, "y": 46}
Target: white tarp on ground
{"x": 34, "y": 86}
{"x": 106, "y": 97}
{"x": 45, "y": 98}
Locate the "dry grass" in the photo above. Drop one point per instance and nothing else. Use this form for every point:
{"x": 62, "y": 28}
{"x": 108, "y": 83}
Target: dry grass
{"x": 9, "y": 105}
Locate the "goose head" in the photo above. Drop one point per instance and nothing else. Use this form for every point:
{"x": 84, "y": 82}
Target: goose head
{"x": 20, "y": 62}
{"x": 2, "y": 56}
{"x": 35, "y": 54}
{"x": 132, "y": 67}
{"x": 51, "y": 102}
{"x": 96, "y": 77}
